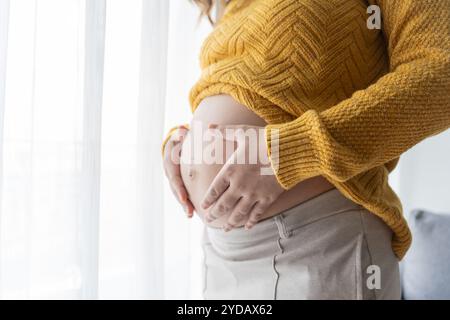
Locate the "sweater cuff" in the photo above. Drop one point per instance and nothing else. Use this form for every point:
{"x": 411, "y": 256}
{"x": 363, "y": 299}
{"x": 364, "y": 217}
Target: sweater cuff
{"x": 291, "y": 150}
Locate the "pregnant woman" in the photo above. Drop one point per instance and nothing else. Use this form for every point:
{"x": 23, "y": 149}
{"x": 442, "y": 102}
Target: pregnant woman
{"x": 333, "y": 104}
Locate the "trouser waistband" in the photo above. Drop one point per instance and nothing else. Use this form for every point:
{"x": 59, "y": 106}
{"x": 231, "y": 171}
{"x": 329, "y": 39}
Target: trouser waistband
{"x": 324, "y": 205}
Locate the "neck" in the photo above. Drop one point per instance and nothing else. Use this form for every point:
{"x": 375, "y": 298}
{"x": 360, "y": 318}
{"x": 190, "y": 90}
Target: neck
{"x": 220, "y": 8}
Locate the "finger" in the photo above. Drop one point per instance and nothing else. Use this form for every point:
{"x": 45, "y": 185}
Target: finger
{"x": 240, "y": 213}
{"x": 224, "y": 205}
{"x": 178, "y": 185}
{"x": 255, "y": 214}
{"x": 178, "y": 136}
{"x": 190, "y": 209}
{"x": 173, "y": 173}
{"x": 172, "y": 155}
{"x": 175, "y": 194}
{"x": 187, "y": 205}
{"x": 218, "y": 186}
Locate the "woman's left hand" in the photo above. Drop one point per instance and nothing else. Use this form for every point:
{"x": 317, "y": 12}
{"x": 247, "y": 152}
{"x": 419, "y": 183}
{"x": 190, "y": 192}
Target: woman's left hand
{"x": 242, "y": 189}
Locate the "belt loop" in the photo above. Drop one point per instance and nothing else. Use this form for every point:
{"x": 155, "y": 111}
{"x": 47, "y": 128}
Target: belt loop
{"x": 281, "y": 225}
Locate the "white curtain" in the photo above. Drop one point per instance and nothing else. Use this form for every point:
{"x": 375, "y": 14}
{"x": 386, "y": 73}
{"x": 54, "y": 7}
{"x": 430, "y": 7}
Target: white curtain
{"x": 87, "y": 89}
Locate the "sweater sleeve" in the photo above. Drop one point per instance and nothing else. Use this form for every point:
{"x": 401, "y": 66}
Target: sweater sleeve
{"x": 377, "y": 124}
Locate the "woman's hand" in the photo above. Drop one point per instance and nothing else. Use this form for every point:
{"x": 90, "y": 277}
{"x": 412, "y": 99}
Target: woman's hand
{"x": 240, "y": 189}
{"x": 171, "y": 163}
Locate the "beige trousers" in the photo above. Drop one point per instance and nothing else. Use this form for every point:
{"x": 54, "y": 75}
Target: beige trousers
{"x": 325, "y": 248}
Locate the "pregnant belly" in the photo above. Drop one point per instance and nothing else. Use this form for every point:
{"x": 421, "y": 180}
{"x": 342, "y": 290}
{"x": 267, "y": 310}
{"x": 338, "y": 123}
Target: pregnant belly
{"x": 198, "y": 172}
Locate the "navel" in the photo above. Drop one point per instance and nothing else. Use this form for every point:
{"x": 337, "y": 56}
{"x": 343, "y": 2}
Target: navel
{"x": 191, "y": 173}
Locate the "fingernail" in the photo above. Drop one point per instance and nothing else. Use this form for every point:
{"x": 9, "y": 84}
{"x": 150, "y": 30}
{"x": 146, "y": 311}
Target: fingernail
{"x": 248, "y": 226}
{"x": 226, "y": 228}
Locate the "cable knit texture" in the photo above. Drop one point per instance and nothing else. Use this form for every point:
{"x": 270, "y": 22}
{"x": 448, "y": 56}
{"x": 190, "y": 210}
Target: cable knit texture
{"x": 346, "y": 101}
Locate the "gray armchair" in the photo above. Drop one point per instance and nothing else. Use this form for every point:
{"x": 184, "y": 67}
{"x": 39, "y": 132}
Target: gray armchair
{"x": 425, "y": 271}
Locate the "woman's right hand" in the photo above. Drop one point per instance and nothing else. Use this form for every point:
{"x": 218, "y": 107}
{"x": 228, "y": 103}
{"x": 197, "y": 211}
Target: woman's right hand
{"x": 171, "y": 164}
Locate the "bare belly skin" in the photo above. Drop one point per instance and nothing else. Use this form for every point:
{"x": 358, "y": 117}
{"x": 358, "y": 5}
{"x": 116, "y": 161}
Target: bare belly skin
{"x": 197, "y": 177}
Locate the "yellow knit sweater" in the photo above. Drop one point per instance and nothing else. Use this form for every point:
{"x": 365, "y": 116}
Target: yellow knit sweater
{"x": 347, "y": 100}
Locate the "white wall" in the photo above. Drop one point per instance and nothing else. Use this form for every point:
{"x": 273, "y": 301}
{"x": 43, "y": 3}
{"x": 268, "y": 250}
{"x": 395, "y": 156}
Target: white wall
{"x": 422, "y": 178}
